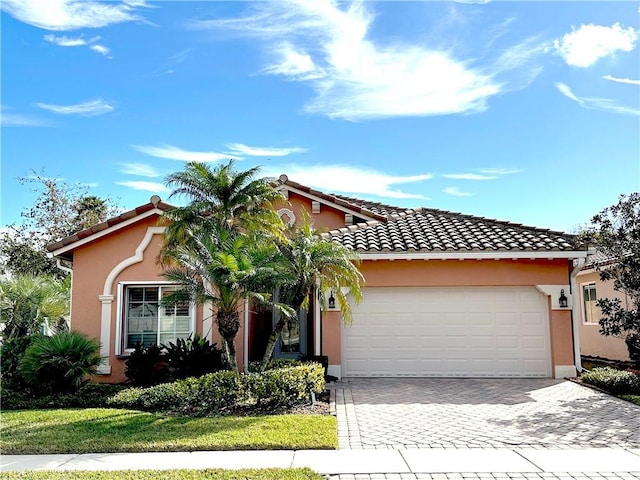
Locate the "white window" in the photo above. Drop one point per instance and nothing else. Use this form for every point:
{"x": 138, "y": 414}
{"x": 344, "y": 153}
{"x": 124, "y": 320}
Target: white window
{"x": 589, "y": 298}
{"x": 146, "y": 322}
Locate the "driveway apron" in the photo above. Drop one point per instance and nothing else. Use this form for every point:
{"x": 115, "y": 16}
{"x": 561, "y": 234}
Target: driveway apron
{"x": 403, "y": 413}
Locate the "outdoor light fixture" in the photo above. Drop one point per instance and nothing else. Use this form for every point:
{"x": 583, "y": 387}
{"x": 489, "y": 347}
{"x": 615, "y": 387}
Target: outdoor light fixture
{"x": 332, "y": 300}
{"x": 563, "y": 299}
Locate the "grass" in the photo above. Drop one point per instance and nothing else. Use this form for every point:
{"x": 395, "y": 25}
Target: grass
{"x": 631, "y": 398}
{"x": 112, "y": 430}
{"x": 248, "y": 474}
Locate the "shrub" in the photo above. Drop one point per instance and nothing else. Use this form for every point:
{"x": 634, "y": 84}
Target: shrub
{"x": 145, "y": 366}
{"x": 90, "y": 395}
{"x": 254, "y": 367}
{"x": 613, "y": 381}
{"x": 224, "y": 392}
{"x": 61, "y": 362}
{"x": 11, "y": 353}
{"x": 192, "y": 357}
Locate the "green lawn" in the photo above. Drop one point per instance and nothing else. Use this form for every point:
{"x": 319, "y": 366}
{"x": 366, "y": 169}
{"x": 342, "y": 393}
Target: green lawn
{"x": 253, "y": 474}
{"x": 113, "y": 430}
{"x": 631, "y": 398}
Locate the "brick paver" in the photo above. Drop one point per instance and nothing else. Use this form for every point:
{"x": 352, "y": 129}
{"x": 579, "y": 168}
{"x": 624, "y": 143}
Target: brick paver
{"x": 481, "y": 413}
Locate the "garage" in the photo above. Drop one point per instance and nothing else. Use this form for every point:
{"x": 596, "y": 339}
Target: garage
{"x": 448, "y": 332}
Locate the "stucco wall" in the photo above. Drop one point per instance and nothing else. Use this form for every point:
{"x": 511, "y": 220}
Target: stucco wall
{"x": 592, "y": 343}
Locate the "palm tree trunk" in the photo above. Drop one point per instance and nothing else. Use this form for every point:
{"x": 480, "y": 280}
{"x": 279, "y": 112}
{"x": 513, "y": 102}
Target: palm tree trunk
{"x": 271, "y": 344}
{"x": 228, "y": 326}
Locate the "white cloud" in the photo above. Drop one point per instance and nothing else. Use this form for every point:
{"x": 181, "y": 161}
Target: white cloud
{"x": 146, "y": 186}
{"x": 175, "y": 153}
{"x": 354, "y": 78}
{"x": 498, "y": 171}
{"x": 469, "y": 176}
{"x": 86, "y": 109}
{"x": 101, "y": 49}
{"x": 622, "y": 80}
{"x": 564, "y": 89}
{"x": 140, "y": 169}
{"x": 455, "y": 191}
{"x": 597, "y": 103}
{"x": 242, "y": 149}
{"x": 62, "y": 15}
{"x": 350, "y": 180}
{"x": 584, "y": 46}
{"x": 10, "y": 119}
{"x": 65, "y": 41}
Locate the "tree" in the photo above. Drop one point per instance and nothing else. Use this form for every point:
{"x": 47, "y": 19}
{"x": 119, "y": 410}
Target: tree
{"x": 60, "y": 210}
{"x": 314, "y": 262}
{"x": 616, "y": 233}
{"x": 27, "y": 301}
{"x": 219, "y": 246}
{"x": 222, "y": 269}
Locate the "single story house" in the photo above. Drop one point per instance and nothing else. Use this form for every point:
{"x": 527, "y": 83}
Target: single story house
{"x": 590, "y": 289}
{"x": 446, "y": 294}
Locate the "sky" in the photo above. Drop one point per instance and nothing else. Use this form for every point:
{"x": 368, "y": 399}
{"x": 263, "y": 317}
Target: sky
{"x": 522, "y": 111}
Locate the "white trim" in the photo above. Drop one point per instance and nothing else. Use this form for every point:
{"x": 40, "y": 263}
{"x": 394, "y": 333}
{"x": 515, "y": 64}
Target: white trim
{"x": 565, "y": 371}
{"x": 582, "y": 303}
{"x": 245, "y": 338}
{"x": 473, "y": 255}
{"x": 317, "y": 330}
{"x": 335, "y": 371}
{"x": 136, "y": 258}
{"x": 107, "y": 231}
{"x": 553, "y": 291}
{"x": 327, "y": 202}
{"x": 577, "y": 359}
{"x": 105, "y": 333}
{"x": 289, "y": 213}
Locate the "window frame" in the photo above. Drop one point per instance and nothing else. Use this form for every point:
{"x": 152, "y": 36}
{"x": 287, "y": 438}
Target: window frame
{"x": 587, "y": 319}
{"x": 121, "y": 320}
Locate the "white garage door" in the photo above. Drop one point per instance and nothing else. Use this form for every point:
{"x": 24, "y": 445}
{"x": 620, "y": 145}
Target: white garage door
{"x": 448, "y": 332}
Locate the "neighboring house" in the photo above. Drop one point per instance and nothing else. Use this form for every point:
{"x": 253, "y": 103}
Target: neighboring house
{"x": 446, "y": 295}
{"x": 590, "y": 289}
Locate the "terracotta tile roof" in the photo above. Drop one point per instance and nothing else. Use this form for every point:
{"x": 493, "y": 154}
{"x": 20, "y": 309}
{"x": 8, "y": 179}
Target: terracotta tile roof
{"x": 336, "y": 199}
{"x": 154, "y": 203}
{"x": 431, "y": 230}
{"x": 375, "y": 207}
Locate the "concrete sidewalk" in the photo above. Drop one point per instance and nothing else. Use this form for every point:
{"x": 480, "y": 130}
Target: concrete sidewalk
{"x": 338, "y": 462}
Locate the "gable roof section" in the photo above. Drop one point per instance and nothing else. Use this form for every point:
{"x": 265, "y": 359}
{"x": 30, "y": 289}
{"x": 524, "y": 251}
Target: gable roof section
{"x": 64, "y": 248}
{"x": 337, "y": 201}
{"x": 375, "y": 207}
{"x": 425, "y": 231}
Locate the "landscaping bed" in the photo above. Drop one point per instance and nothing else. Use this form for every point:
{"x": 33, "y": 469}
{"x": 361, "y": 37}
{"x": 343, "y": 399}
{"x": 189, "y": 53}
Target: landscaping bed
{"x": 624, "y": 384}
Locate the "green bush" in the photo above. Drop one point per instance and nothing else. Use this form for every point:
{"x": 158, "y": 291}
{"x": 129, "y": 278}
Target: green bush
{"x": 61, "y": 362}
{"x": 614, "y": 381}
{"x": 254, "y": 367}
{"x": 145, "y": 366}
{"x": 225, "y": 392}
{"x": 192, "y": 357}
{"x": 11, "y": 353}
{"x": 90, "y": 395}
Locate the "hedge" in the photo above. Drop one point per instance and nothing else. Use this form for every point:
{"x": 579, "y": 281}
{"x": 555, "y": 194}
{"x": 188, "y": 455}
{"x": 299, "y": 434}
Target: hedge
{"x": 90, "y": 395}
{"x": 614, "y": 381}
{"x": 225, "y": 392}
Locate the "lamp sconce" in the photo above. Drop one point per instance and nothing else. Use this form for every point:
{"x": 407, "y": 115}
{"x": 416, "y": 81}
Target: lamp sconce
{"x": 332, "y": 300}
{"x": 563, "y": 301}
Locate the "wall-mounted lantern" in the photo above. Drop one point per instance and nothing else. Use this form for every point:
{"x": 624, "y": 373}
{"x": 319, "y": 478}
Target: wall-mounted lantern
{"x": 332, "y": 300}
{"x": 563, "y": 301}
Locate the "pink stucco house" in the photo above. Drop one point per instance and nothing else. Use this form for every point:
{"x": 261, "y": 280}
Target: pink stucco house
{"x": 590, "y": 288}
{"x": 446, "y": 295}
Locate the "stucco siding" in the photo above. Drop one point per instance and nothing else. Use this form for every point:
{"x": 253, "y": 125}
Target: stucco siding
{"x": 592, "y": 343}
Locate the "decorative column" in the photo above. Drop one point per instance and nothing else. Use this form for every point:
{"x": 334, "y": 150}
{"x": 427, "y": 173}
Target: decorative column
{"x": 105, "y": 334}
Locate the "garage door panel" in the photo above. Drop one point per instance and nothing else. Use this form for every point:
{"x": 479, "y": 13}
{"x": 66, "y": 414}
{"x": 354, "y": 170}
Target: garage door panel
{"x": 475, "y": 331}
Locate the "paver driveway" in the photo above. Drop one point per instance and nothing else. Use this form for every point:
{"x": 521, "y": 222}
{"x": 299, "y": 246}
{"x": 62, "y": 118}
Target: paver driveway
{"x": 481, "y": 413}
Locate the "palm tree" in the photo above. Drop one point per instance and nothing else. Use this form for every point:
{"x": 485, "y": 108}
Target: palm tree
{"x": 223, "y": 269}
{"x": 313, "y": 261}
{"x": 218, "y": 247}
{"x": 27, "y": 301}
{"x": 221, "y": 197}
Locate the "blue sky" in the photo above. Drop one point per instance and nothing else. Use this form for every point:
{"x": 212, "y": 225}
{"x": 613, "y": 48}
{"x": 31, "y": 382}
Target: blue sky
{"x": 521, "y": 111}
